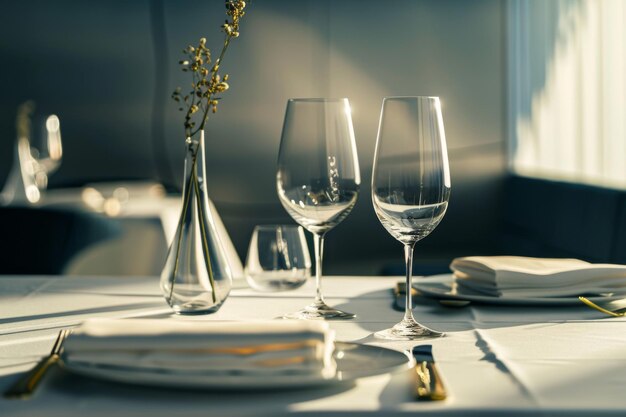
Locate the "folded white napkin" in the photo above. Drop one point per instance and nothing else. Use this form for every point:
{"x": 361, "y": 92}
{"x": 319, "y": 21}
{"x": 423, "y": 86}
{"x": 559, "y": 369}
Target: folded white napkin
{"x": 516, "y": 276}
{"x": 260, "y": 348}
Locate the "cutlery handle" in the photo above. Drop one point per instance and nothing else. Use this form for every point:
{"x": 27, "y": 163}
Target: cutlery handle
{"x": 429, "y": 385}
{"x": 26, "y": 385}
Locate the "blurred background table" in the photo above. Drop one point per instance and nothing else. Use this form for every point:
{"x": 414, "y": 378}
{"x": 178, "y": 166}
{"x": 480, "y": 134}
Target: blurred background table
{"x": 494, "y": 360}
{"x": 113, "y": 228}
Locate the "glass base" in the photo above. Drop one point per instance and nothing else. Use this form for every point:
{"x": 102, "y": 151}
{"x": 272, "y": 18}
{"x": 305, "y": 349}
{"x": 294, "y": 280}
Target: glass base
{"x": 196, "y": 309}
{"x": 320, "y": 311}
{"x": 408, "y": 330}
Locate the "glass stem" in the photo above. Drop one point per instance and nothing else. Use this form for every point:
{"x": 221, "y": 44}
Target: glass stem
{"x": 408, "y": 257}
{"x": 318, "y": 244}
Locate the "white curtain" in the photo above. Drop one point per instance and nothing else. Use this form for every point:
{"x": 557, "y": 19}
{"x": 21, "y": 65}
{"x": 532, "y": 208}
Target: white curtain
{"x": 567, "y": 89}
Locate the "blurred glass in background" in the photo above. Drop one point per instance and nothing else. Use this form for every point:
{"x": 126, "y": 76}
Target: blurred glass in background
{"x": 38, "y": 152}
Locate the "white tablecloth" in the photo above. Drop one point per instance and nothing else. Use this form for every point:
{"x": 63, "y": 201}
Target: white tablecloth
{"x": 495, "y": 360}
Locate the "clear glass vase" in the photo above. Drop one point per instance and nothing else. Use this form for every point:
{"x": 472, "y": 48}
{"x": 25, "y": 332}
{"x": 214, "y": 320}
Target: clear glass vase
{"x": 196, "y": 278}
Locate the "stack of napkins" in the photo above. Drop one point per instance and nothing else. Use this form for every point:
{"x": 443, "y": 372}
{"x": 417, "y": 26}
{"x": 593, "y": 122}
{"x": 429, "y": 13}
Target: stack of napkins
{"x": 515, "y": 276}
{"x": 262, "y": 348}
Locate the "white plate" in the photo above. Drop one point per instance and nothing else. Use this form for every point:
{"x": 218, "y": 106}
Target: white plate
{"x": 353, "y": 361}
{"x": 440, "y": 288}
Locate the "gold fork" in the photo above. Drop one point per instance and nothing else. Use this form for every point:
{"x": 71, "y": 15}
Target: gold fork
{"x": 620, "y": 312}
{"x": 25, "y": 386}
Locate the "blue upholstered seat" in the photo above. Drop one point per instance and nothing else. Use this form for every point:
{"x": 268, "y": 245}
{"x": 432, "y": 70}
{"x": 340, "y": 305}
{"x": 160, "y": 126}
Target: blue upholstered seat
{"x": 546, "y": 218}
{"x": 44, "y": 240}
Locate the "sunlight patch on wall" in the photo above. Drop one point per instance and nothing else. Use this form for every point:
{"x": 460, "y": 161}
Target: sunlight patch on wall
{"x": 567, "y": 92}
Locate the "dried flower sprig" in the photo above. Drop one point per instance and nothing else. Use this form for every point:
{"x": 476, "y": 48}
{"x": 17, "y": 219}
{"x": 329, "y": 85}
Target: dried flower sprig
{"x": 207, "y": 83}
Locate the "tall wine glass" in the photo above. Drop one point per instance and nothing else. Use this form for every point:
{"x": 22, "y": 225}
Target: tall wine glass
{"x": 318, "y": 178}
{"x": 410, "y": 185}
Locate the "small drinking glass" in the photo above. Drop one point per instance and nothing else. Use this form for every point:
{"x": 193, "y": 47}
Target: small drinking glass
{"x": 278, "y": 258}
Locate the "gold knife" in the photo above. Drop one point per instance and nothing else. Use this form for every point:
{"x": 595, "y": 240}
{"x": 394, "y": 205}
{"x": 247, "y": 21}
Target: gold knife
{"x": 429, "y": 385}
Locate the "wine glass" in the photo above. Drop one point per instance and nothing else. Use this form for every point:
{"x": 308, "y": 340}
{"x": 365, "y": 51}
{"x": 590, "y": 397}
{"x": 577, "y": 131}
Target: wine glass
{"x": 410, "y": 185}
{"x": 318, "y": 178}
